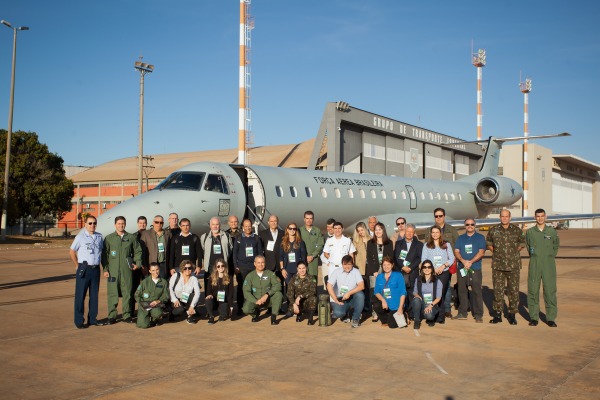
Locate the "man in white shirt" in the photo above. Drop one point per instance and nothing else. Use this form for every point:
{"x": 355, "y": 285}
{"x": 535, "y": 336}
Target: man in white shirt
{"x": 335, "y": 249}
{"x": 345, "y": 286}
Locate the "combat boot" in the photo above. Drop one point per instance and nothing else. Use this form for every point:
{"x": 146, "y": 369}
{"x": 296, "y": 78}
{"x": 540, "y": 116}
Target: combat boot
{"x": 511, "y": 319}
{"x": 497, "y": 319}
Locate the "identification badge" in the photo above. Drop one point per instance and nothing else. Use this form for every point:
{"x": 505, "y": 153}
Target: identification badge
{"x": 403, "y": 254}
{"x": 146, "y": 295}
{"x": 216, "y": 249}
{"x": 270, "y": 245}
{"x": 91, "y": 250}
{"x": 437, "y": 261}
{"x": 185, "y": 250}
{"x": 161, "y": 247}
{"x": 469, "y": 248}
{"x": 292, "y": 257}
{"x": 221, "y": 295}
{"x": 249, "y": 252}
{"x": 463, "y": 272}
{"x": 113, "y": 253}
{"x": 428, "y": 298}
{"x": 380, "y": 257}
{"x": 185, "y": 297}
{"x": 387, "y": 293}
{"x": 343, "y": 290}
{"x": 406, "y": 263}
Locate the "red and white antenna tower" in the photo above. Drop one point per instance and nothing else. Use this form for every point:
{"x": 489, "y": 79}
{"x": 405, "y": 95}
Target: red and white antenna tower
{"x": 525, "y": 88}
{"x": 478, "y": 60}
{"x": 244, "y": 118}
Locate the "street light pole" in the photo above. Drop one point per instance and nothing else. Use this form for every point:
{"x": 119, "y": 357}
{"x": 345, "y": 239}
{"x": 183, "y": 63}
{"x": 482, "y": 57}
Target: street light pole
{"x": 144, "y": 69}
{"x": 9, "y": 133}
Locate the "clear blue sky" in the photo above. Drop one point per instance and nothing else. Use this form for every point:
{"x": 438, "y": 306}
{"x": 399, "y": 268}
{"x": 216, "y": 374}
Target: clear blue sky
{"x": 406, "y": 60}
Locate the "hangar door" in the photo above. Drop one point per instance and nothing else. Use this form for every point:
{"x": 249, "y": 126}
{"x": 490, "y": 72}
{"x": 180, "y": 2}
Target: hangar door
{"x": 572, "y": 195}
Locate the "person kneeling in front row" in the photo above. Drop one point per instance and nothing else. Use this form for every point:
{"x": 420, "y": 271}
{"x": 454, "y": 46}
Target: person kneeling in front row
{"x": 219, "y": 292}
{"x": 302, "y": 293}
{"x": 151, "y": 295}
{"x": 345, "y": 286}
{"x": 390, "y": 293}
{"x": 262, "y": 289}
{"x": 428, "y": 295}
{"x": 185, "y": 292}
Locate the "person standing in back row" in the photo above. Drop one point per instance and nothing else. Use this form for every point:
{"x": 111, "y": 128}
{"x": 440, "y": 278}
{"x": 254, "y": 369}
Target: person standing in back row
{"x": 313, "y": 239}
{"x": 505, "y": 241}
{"x": 185, "y": 246}
{"x": 542, "y": 245}
{"x": 246, "y": 247}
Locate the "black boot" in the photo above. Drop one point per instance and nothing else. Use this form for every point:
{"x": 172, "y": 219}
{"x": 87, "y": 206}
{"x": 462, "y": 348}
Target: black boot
{"x": 274, "y": 320}
{"x": 497, "y": 318}
{"x": 310, "y": 318}
{"x": 511, "y": 319}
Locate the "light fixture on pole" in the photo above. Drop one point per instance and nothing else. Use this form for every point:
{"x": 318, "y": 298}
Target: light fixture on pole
{"x": 9, "y": 133}
{"x": 144, "y": 69}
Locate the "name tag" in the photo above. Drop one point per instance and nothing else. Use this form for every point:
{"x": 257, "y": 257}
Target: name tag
{"x": 380, "y": 257}
{"x": 343, "y": 290}
{"x": 146, "y": 295}
{"x": 185, "y": 250}
{"x": 292, "y": 257}
{"x": 403, "y": 254}
{"x": 249, "y": 252}
{"x": 469, "y": 248}
{"x": 161, "y": 247}
{"x": 437, "y": 261}
{"x": 221, "y": 295}
{"x": 406, "y": 263}
{"x": 387, "y": 293}
{"x": 428, "y": 298}
{"x": 185, "y": 297}
{"x": 113, "y": 253}
{"x": 270, "y": 245}
{"x": 216, "y": 249}
{"x": 463, "y": 272}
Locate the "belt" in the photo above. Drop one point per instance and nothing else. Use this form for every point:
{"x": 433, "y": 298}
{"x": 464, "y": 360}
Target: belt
{"x": 90, "y": 266}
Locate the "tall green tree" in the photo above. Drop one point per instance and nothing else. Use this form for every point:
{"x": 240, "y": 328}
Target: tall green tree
{"x": 37, "y": 182}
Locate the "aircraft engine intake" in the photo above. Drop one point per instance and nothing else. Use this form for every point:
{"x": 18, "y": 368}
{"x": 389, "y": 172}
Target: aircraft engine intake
{"x": 498, "y": 191}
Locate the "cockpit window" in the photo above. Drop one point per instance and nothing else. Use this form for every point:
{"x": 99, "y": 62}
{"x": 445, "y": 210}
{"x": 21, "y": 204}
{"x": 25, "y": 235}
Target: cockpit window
{"x": 216, "y": 183}
{"x": 182, "y": 181}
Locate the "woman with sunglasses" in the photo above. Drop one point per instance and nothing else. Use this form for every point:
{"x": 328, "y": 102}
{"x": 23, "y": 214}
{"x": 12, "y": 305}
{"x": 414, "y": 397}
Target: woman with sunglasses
{"x": 427, "y": 295}
{"x": 219, "y": 292}
{"x": 440, "y": 253}
{"x": 390, "y": 293}
{"x": 378, "y": 247}
{"x": 185, "y": 292}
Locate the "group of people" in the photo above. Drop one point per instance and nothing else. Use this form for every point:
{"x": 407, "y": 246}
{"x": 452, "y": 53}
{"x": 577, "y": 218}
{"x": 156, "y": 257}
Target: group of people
{"x": 394, "y": 279}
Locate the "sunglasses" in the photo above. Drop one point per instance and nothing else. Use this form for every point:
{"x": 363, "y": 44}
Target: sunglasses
{"x": 469, "y": 224}
{"x": 400, "y": 223}
{"x": 188, "y": 268}
{"x": 92, "y": 223}
{"x": 292, "y": 229}
{"x": 220, "y": 266}
{"x": 427, "y": 267}
{"x": 439, "y": 216}
{"x": 158, "y": 222}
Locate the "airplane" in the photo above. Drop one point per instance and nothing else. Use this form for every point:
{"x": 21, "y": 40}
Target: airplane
{"x": 203, "y": 190}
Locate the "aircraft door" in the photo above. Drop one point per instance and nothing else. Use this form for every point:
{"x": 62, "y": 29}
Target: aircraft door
{"x": 255, "y": 196}
{"x": 412, "y": 196}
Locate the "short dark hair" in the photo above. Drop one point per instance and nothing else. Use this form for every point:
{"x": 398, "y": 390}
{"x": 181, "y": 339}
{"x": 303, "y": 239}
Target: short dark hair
{"x": 440, "y": 209}
{"x": 120, "y": 218}
{"x": 91, "y": 217}
{"x": 338, "y": 223}
{"x": 347, "y": 259}
{"x": 182, "y": 220}
{"x": 330, "y": 221}
{"x": 142, "y": 218}
{"x": 308, "y": 212}
{"x": 539, "y": 211}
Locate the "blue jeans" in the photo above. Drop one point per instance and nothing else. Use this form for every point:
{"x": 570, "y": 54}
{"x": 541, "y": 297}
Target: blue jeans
{"x": 90, "y": 282}
{"x": 418, "y": 308}
{"x": 356, "y": 302}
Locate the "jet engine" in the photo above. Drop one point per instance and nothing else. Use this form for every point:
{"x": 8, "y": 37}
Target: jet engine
{"x": 498, "y": 191}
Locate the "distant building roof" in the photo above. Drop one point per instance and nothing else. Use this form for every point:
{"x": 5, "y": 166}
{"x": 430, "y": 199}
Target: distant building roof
{"x": 287, "y": 155}
{"x": 577, "y": 161}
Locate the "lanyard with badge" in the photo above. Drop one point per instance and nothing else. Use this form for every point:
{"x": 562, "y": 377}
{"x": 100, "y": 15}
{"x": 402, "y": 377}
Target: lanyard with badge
{"x": 387, "y": 292}
{"x": 185, "y": 250}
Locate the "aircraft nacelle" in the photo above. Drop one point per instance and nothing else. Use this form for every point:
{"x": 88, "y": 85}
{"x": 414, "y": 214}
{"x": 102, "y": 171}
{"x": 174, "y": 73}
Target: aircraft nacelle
{"x": 498, "y": 191}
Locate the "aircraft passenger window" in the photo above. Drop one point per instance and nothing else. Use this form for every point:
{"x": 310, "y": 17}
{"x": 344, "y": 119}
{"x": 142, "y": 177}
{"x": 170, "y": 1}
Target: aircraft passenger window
{"x": 323, "y": 192}
{"x": 279, "y": 191}
{"x": 350, "y": 193}
{"x": 413, "y": 196}
{"x": 430, "y": 196}
{"x": 308, "y": 192}
{"x": 437, "y": 196}
{"x": 452, "y": 196}
{"x": 403, "y": 195}
{"x": 383, "y": 195}
{"x": 422, "y": 196}
{"x": 446, "y": 196}
{"x": 394, "y": 195}
{"x": 293, "y": 191}
{"x": 362, "y": 193}
{"x": 216, "y": 183}
{"x": 337, "y": 193}
{"x": 182, "y": 181}
{"x": 373, "y": 194}
{"x": 459, "y": 196}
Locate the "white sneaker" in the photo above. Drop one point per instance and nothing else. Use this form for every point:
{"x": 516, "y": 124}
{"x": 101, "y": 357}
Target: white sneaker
{"x": 346, "y": 320}
{"x": 355, "y": 323}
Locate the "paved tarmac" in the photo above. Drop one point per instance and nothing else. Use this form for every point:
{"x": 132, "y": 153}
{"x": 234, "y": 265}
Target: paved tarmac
{"x": 43, "y": 355}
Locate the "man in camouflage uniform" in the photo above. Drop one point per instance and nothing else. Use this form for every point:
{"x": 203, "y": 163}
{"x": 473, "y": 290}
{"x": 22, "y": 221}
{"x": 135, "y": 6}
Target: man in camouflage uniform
{"x": 505, "y": 241}
{"x": 302, "y": 294}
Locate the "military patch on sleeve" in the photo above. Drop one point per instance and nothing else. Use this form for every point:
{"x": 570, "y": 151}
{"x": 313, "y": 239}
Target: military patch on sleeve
{"x": 245, "y": 282}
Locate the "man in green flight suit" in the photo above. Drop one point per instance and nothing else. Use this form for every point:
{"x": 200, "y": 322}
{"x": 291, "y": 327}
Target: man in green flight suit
{"x": 121, "y": 255}
{"x": 542, "y": 245}
{"x": 151, "y": 295}
{"x": 262, "y": 288}
{"x": 313, "y": 239}
{"x": 505, "y": 241}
